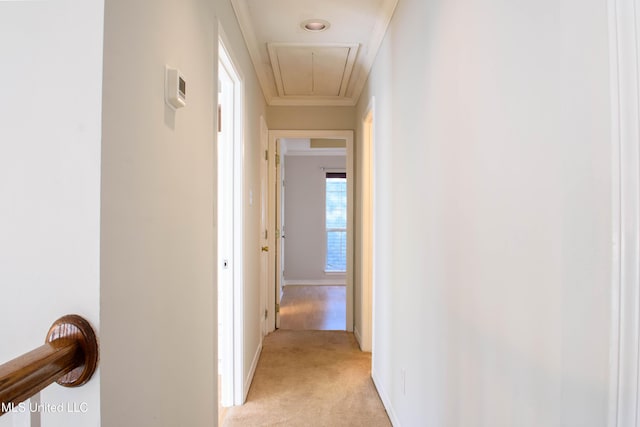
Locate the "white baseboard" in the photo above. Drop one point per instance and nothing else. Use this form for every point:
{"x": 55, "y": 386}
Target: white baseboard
{"x": 320, "y": 282}
{"x": 252, "y": 372}
{"x": 385, "y": 399}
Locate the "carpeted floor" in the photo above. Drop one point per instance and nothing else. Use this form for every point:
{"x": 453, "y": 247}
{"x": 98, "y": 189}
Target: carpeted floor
{"x": 311, "y": 378}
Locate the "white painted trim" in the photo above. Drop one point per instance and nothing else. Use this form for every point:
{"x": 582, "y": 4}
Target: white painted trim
{"x": 241, "y": 10}
{"x": 614, "y": 347}
{"x": 226, "y": 57}
{"x": 252, "y": 371}
{"x": 367, "y": 237}
{"x": 264, "y": 225}
{"x": 351, "y": 205}
{"x": 360, "y": 71}
{"x": 347, "y": 135}
{"x": 334, "y": 152}
{"x": 224, "y": 242}
{"x": 271, "y": 241}
{"x": 625, "y": 293}
{"x": 378, "y": 33}
{"x": 386, "y": 402}
{"x": 319, "y": 282}
{"x": 336, "y": 170}
{"x": 315, "y": 101}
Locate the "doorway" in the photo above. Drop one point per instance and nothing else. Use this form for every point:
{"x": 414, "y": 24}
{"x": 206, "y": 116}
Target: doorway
{"x": 276, "y": 231}
{"x": 230, "y": 225}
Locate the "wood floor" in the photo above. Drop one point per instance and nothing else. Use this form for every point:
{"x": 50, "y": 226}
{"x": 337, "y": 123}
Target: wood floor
{"x": 313, "y": 308}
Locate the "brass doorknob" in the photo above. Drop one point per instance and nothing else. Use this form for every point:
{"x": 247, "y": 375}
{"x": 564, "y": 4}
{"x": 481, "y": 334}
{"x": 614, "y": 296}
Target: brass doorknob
{"x": 265, "y": 249}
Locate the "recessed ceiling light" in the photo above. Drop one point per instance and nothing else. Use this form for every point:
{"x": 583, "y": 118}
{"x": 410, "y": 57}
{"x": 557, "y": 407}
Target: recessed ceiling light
{"x": 315, "y": 25}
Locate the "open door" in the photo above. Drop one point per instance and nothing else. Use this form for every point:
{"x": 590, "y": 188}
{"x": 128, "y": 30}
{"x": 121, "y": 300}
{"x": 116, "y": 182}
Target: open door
{"x": 275, "y": 239}
{"x": 266, "y": 269}
{"x": 279, "y": 241}
{"x": 230, "y": 227}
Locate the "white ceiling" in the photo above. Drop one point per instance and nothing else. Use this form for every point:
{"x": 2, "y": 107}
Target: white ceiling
{"x": 298, "y": 67}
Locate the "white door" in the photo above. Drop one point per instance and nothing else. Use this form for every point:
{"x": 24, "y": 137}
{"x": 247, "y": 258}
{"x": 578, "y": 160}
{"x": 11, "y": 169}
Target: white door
{"x": 279, "y": 182}
{"x": 225, "y": 234}
{"x": 230, "y": 163}
{"x": 264, "y": 225}
{"x": 50, "y": 186}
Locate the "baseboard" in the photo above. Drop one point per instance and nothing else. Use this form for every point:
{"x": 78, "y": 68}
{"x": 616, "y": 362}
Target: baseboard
{"x": 252, "y": 372}
{"x": 386, "y": 402}
{"x": 320, "y": 282}
{"x": 356, "y": 333}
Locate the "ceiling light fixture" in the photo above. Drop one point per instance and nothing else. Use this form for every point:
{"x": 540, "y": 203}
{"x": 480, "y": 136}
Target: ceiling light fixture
{"x": 315, "y": 25}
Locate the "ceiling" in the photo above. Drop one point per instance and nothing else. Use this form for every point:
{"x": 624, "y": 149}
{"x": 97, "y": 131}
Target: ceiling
{"x": 299, "y": 67}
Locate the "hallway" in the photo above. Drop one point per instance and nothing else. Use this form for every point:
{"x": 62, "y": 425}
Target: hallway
{"x": 311, "y": 378}
{"x": 495, "y": 145}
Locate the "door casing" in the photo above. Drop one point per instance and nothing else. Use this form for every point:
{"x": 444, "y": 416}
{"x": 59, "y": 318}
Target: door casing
{"x": 274, "y": 136}
{"x": 233, "y": 388}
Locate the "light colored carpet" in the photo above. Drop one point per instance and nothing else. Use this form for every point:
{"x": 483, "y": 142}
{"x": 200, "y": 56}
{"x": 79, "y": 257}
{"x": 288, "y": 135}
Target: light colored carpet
{"x": 311, "y": 378}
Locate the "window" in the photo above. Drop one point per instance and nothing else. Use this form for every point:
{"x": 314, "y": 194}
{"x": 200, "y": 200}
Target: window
{"x": 336, "y": 221}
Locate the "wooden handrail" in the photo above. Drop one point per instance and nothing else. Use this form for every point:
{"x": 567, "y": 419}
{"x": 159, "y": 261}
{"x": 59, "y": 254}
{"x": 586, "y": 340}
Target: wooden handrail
{"x": 69, "y": 357}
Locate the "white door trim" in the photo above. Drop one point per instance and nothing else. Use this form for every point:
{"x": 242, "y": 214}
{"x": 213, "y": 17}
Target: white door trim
{"x": 227, "y": 59}
{"x": 367, "y": 235}
{"x": 625, "y": 125}
{"x": 266, "y": 268}
{"x": 347, "y": 135}
{"x": 278, "y": 249}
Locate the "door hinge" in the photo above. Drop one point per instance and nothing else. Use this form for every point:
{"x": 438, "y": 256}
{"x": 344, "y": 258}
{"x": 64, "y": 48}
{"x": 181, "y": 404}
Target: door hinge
{"x": 266, "y": 234}
{"x": 277, "y": 308}
{"x": 266, "y": 314}
{"x": 277, "y": 159}
{"x": 266, "y": 154}
{"x": 277, "y": 234}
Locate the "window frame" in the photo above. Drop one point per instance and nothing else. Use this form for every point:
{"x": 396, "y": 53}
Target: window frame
{"x": 334, "y": 173}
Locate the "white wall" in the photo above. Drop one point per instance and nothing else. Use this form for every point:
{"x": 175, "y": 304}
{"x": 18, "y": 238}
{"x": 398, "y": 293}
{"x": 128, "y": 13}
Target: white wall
{"x": 305, "y": 231}
{"x": 493, "y": 221}
{"x": 50, "y": 181}
{"x": 158, "y": 296}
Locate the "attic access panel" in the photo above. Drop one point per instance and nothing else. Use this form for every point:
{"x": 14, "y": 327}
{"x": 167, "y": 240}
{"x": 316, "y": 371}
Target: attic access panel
{"x": 312, "y": 69}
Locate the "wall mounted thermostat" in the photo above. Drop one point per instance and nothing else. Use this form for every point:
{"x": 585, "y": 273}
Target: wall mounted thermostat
{"x": 175, "y": 93}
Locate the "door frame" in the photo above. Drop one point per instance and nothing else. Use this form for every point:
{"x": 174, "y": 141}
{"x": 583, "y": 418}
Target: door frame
{"x": 235, "y": 320}
{"x": 347, "y": 135}
{"x": 367, "y": 230}
{"x": 278, "y": 250}
{"x": 266, "y": 267}
{"x": 624, "y": 48}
